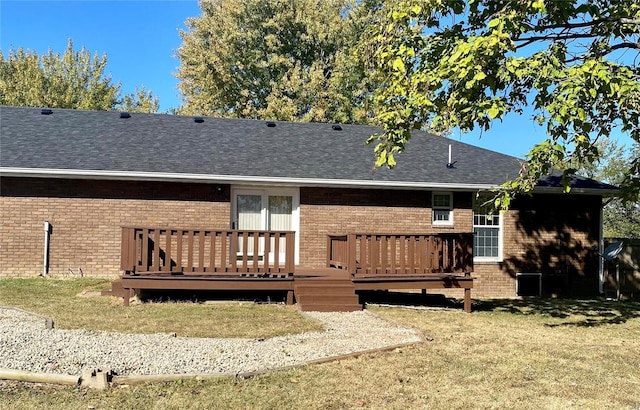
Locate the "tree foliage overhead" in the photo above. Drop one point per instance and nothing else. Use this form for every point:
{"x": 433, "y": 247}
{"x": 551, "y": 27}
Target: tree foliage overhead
{"x": 74, "y": 79}
{"x": 447, "y": 64}
{"x": 621, "y": 219}
{"x": 275, "y": 59}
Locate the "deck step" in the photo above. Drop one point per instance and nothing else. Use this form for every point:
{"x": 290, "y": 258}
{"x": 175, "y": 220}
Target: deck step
{"x": 116, "y": 289}
{"x": 325, "y": 290}
{"x": 330, "y": 308}
{"x": 331, "y": 299}
{"x": 326, "y": 295}
{"x": 324, "y": 282}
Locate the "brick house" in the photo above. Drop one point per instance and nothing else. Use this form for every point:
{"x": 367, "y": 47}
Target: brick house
{"x": 90, "y": 173}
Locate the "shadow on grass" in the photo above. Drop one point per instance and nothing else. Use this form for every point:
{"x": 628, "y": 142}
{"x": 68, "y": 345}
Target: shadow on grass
{"x": 399, "y": 298}
{"x": 260, "y": 297}
{"x": 578, "y": 312}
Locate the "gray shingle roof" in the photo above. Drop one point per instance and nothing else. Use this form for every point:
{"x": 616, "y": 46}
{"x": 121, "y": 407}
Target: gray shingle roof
{"x": 576, "y": 181}
{"x": 160, "y": 143}
{"x": 88, "y": 141}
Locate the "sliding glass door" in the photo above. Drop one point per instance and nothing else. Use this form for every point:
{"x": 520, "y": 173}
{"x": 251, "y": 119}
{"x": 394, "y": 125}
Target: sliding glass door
{"x": 266, "y": 209}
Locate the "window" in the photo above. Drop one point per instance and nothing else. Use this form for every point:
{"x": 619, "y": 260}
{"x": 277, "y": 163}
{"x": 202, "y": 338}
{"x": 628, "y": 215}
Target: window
{"x": 266, "y": 209}
{"x": 487, "y": 241}
{"x": 442, "y": 208}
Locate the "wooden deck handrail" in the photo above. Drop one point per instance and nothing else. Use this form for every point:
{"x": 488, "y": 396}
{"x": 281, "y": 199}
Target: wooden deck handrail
{"x": 207, "y": 251}
{"x": 367, "y": 254}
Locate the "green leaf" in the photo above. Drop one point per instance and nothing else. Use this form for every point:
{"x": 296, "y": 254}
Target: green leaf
{"x": 538, "y": 5}
{"x": 381, "y": 158}
{"x": 582, "y": 114}
{"x": 479, "y": 76}
{"x": 391, "y": 161}
{"x": 398, "y": 64}
{"x": 493, "y": 112}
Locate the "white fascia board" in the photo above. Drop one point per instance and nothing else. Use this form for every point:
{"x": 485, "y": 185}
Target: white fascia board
{"x": 233, "y": 179}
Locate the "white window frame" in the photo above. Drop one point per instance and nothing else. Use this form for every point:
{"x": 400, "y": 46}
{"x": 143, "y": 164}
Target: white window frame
{"x": 266, "y": 192}
{"x": 500, "y": 229}
{"x": 435, "y": 208}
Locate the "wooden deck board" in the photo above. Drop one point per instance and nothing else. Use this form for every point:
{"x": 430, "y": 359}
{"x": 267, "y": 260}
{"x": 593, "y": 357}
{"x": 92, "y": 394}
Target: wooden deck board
{"x": 304, "y": 275}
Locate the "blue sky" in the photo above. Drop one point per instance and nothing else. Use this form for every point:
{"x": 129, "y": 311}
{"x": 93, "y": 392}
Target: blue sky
{"x": 140, "y": 39}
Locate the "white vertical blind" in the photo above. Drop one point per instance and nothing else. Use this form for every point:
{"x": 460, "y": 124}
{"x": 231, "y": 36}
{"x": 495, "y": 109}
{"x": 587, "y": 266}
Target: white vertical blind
{"x": 279, "y": 217}
{"x": 249, "y": 212}
{"x": 279, "y": 211}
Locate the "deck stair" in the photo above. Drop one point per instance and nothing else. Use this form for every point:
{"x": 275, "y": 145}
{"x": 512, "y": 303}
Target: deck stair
{"x": 326, "y": 294}
{"x": 116, "y": 290}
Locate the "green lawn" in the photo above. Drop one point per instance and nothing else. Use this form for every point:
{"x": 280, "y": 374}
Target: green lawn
{"x": 538, "y": 353}
{"x": 64, "y": 301}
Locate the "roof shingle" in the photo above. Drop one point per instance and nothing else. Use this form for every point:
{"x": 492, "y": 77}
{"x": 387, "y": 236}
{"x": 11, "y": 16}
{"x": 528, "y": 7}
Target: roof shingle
{"x": 87, "y": 141}
{"x": 160, "y": 143}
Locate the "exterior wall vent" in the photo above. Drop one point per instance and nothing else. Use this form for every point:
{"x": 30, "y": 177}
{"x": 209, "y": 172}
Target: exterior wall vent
{"x": 125, "y": 115}
{"x": 336, "y": 127}
{"x": 199, "y": 120}
{"x": 529, "y": 284}
{"x": 46, "y": 111}
{"x": 271, "y": 124}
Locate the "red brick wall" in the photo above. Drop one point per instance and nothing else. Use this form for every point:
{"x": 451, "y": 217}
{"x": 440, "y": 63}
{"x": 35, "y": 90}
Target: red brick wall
{"x": 87, "y": 217}
{"x": 325, "y": 211}
{"x": 547, "y": 233}
{"x": 550, "y": 234}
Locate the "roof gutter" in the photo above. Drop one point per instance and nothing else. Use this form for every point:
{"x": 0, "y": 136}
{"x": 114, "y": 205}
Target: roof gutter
{"x": 232, "y": 179}
{"x": 579, "y": 191}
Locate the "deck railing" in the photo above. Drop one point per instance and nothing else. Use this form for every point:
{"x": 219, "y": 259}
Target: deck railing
{"x": 401, "y": 254}
{"x": 206, "y": 251}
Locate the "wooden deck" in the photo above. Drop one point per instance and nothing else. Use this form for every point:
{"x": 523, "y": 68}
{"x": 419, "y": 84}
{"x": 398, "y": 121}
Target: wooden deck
{"x": 209, "y": 259}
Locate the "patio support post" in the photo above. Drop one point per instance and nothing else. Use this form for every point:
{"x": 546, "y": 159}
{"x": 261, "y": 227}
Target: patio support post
{"x": 351, "y": 253}
{"x": 467, "y": 300}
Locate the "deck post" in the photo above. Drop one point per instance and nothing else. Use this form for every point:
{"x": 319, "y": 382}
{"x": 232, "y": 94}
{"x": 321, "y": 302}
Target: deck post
{"x": 467, "y": 300}
{"x": 329, "y": 253}
{"x": 126, "y": 255}
{"x": 289, "y": 297}
{"x": 127, "y": 296}
{"x": 351, "y": 254}
{"x": 467, "y": 295}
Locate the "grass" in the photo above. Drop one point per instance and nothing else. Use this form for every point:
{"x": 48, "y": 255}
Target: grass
{"x": 63, "y": 300}
{"x": 537, "y": 353}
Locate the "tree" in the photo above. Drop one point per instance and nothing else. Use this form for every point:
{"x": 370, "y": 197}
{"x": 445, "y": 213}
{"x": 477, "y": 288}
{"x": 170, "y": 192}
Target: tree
{"x": 275, "y": 59}
{"x": 74, "y": 79}
{"x": 621, "y": 218}
{"x": 140, "y": 101}
{"x": 444, "y": 64}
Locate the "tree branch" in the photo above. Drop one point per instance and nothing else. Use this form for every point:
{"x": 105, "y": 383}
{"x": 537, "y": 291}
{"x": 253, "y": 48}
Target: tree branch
{"x": 556, "y": 36}
{"x": 611, "y": 49}
{"x": 584, "y": 24}
{"x": 549, "y": 37}
{"x": 630, "y": 21}
{"x": 626, "y": 44}
{"x": 566, "y": 33}
{"x": 571, "y": 25}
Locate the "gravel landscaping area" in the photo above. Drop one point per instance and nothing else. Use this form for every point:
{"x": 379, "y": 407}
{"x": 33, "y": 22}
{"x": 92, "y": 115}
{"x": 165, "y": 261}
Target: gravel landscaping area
{"x": 27, "y": 344}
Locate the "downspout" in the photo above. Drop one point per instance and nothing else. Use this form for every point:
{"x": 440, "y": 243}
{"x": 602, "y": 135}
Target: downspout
{"x": 47, "y": 234}
{"x": 600, "y": 250}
